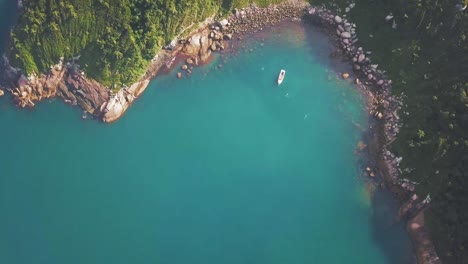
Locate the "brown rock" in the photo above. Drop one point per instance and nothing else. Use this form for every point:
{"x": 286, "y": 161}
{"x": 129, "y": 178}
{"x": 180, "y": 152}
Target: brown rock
{"x": 361, "y": 146}
{"x": 345, "y": 75}
{"x": 179, "y": 75}
{"x": 204, "y": 51}
{"x": 184, "y": 67}
{"x": 2, "y": 92}
{"x": 189, "y": 61}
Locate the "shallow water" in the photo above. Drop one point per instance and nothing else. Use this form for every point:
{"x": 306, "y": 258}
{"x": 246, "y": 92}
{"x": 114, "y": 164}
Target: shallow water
{"x": 221, "y": 167}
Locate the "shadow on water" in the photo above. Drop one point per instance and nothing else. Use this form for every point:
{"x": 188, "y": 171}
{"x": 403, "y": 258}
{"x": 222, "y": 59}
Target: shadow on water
{"x": 8, "y": 12}
{"x": 389, "y": 234}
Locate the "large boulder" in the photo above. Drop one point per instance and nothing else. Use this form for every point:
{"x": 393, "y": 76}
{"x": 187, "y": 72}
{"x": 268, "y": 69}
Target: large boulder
{"x": 213, "y": 47}
{"x": 338, "y": 19}
{"x": 361, "y": 58}
{"x": 205, "y": 44}
{"x": 192, "y": 46}
{"x": 345, "y": 35}
{"x": 223, "y": 23}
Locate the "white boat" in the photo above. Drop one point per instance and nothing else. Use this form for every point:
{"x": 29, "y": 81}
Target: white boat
{"x": 281, "y": 76}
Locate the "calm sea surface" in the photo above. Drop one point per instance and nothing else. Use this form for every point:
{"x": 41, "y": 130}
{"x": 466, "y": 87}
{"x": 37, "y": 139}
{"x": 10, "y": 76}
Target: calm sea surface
{"x": 222, "y": 167}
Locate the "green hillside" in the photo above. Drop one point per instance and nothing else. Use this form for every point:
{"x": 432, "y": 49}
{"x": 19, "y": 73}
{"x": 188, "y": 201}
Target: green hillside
{"x": 115, "y": 38}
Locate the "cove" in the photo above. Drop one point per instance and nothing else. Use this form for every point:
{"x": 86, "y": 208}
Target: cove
{"x": 220, "y": 167}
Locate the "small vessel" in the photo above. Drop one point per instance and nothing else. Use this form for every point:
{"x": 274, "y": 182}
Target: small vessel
{"x": 281, "y": 76}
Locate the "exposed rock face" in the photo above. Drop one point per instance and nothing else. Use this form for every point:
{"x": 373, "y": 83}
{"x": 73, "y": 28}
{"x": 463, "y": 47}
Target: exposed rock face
{"x": 87, "y": 93}
{"x": 62, "y": 80}
{"x": 205, "y": 44}
{"x": 118, "y": 104}
{"x": 201, "y": 44}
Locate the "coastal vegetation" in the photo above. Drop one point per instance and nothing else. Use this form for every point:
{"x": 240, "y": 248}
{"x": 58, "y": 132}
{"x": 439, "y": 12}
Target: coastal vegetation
{"x": 424, "y": 49}
{"x": 114, "y": 40}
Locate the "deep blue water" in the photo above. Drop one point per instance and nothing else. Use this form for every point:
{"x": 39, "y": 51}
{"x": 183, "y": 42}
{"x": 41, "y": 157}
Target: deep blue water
{"x": 221, "y": 167}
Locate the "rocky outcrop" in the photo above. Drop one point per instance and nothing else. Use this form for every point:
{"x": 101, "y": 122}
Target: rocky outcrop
{"x": 87, "y": 93}
{"x": 63, "y": 80}
{"x": 67, "y": 81}
{"x": 199, "y": 46}
{"x": 118, "y": 104}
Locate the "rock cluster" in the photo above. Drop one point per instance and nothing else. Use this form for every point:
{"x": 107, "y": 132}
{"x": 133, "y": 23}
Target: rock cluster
{"x": 346, "y": 32}
{"x": 253, "y": 19}
{"x": 63, "y": 79}
{"x": 383, "y": 106}
{"x": 213, "y": 38}
{"x": 198, "y": 47}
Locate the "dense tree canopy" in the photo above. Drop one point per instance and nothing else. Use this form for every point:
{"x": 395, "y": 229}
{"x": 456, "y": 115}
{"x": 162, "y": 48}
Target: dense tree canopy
{"x": 115, "y": 38}
{"x": 426, "y": 56}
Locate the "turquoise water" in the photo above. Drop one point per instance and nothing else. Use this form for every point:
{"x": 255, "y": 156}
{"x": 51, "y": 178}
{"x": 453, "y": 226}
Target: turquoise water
{"x": 222, "y": 167}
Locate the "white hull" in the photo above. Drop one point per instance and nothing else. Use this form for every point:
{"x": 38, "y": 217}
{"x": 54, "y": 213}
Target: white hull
{"x": 281, "y": 76}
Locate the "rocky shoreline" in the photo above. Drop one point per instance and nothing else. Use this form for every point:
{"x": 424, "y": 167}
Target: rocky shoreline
{"x": 197, "y": 48}
{"x": 67, "y": 81}
{"x": 384, "y": 107}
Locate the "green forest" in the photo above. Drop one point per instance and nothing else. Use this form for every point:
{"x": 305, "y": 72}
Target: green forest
{"x": 115, "y": 39}
{"x": 426, "y": 56}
